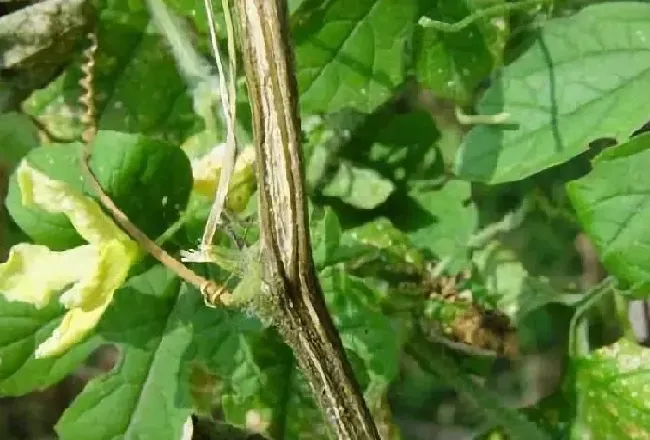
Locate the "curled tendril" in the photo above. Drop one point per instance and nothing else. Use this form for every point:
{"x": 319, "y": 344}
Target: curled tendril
{"x": 214, "y": 294}
{"x": 210, "y": 289}
{"x": 87, "y": 98}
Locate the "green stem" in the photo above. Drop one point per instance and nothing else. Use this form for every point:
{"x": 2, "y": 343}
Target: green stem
{"x": 623, "y": 317}
{"x": 578, "y": 328}
{"x": 175, "y": 227}
{"x": 490, "y": 11}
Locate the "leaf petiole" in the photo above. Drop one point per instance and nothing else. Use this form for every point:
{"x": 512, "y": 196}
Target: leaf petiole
{"x": 489, "y": 12}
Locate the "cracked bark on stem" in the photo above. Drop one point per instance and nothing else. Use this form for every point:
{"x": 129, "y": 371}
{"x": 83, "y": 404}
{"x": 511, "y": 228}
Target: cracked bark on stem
{"x": 288, "y": 271}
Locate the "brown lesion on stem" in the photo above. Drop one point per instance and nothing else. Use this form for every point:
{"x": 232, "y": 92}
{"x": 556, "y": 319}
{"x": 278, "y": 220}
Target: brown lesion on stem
{"x": 290, "y": 281}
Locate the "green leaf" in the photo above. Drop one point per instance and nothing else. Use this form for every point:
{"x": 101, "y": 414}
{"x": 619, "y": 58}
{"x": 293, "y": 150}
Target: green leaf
{"x": 137, "y": 85}
{"x": 613, "y": 204}
{"x": 571, "y": 87}
{"x": 195, "y": 11}
{"x": 325, "y": 235}
{"x": 60, "y": 162}
{"x": 149, "y": 180}
{"x": 22, "y": 329}
{"x": 387, "y": 250}
{"x": 212, "y": 429}
{"x": 527, "y": 300}
{"x": 146, "y": 394}
{"x": 266, "y": 391}
{"x": 613, "y": 391}
{"x": 435, "y": 360}
{"x": 364, "y": 329}
{"x": 442, "y": 221}
{"x": 18, "y": 135}
{"x": 504, "y": 275}
{"x": 363, "y": 188}
{"x": 350, "y": 54}
{"x": 220, "y": 336}
{"x": 452, "y": 64}
{"x": 325, "y": 138}
{"x": 262, "y": 388}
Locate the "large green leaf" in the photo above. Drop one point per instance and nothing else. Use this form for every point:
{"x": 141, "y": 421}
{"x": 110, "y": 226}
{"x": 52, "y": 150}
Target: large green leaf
{"x": 451, "y": 64}
{"x": 350, "y": 54}
{"x": 146, "y": 394}
{"x": 579, "y": 81}
{"x": 363, "y": 188}
{"x": 60, "y": 162}
{"x": 265, "y": 390}
{"x": 442, "y": 221}
{"x": 149, "y": 180}
{"x": 613, "y": 204}
{"x": 18, "y": 135}
{"x": 137, "y": 85}
{"x": 364, "y": 329}
{"x": 613, "y": 391}
{"x": 22, "y": 329}
{"x": 325, "y": 230}
{"x": 387, "y": 252}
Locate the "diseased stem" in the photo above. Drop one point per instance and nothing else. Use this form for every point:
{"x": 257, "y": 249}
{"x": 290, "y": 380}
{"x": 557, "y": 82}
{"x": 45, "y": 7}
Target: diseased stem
{"x": 289, "y": 279}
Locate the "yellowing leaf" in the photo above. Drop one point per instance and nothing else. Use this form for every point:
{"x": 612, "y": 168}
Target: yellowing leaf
{"x": 73, "y": 328}
{"x": 58, "y": 197}
{"x": 614, "y": 393}
{"x": 35, "y": 274}
{"x": 101, "y": 279}
{"x": 207, "y": 169}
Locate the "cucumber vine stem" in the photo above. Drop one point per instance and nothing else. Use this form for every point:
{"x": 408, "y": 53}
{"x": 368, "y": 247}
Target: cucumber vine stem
{"x": 291, "y": 292}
